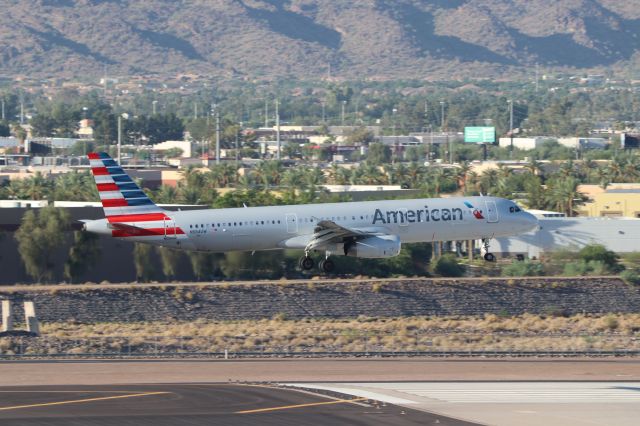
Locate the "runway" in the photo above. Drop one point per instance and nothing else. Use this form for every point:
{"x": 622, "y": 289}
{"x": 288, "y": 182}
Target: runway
{"x": 408, "y": 391}
{"x": 509, "y": 403}
{"x": 197, "y": 404}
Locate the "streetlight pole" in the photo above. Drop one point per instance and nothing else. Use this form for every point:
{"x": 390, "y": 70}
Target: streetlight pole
{"x": 119, "y": 137}
{"x": 217, "y": 136}
{"x": 266, "y": 112}
{"x": 393, "y": 120}
{"x": 278, "y": 128}
{"x": 510, "y": 102}
{"x": 238, "y": 145}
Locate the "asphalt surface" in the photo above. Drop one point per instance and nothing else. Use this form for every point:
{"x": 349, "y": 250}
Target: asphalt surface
{"x": 197, "y": 404}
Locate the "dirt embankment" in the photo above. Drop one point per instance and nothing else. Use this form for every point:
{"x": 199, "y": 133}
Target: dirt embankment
{"x": 334, "y": 299}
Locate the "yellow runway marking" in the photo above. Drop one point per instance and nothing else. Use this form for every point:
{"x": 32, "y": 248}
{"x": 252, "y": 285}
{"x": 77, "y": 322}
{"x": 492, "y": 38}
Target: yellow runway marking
{"x": 79, "y": 401}
{"x": 69, "y": 391}
{"x": 288, "y": 407}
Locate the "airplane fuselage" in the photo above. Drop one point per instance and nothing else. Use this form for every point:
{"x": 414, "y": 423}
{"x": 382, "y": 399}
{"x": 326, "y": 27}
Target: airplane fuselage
{"x": 291, "y": 226}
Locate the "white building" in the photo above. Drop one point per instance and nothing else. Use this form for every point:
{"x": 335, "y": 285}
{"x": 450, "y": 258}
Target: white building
{"x": 524, "y": 143}
{"x": 185, "y": 146}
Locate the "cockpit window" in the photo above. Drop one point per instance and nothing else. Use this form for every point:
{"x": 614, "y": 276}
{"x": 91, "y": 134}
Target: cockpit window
{"x": 514, "y": 209}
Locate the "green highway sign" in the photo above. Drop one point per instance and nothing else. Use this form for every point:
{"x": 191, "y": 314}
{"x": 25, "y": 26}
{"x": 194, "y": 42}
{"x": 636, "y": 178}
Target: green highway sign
{"x": 480, "y": 134}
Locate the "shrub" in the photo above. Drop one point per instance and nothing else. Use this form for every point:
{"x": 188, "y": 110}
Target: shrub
{"x": 574, "y": 269}
{"x": 523, "y": 269}
{"x": 630, "y": 277}
{"x": 598, "y": 252}
{"x": 582, "y": 267}
{"x": 448, "y": 266}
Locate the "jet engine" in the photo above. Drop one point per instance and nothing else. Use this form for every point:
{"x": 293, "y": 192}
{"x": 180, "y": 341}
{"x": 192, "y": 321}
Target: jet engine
{"x": 374, "y": 247}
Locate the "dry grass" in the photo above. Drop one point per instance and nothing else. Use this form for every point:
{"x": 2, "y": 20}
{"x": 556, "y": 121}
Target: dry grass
{"x": 489, "y": 332}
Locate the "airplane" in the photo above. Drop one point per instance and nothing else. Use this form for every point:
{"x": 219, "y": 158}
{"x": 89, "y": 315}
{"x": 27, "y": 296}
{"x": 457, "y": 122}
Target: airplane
{"x": 367, "y": 229}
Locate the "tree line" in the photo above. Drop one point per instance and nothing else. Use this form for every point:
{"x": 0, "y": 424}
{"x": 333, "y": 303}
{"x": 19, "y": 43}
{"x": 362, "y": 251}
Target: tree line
{"x": 557, "y": 109}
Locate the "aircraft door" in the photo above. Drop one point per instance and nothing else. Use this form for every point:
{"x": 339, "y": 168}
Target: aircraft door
{"x": 292, "y": 223}
{"x": 169, "y": 228}
{"x": 403, "y": 221}
{"x": 492, "y": 212}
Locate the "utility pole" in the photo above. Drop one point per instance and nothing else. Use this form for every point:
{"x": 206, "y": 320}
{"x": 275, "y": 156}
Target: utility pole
{"x": 510, "y": 102}
{"x": 355, "y": 113}
{"x": 278, "y": 128}
{"x": 426, "y": 114}
{"x": 442, "y": 116}
{"x": 3, "y": 117}
{"x": 537, "y": 78}
{"x": 21, "y": 112}
{"x": 323, "y": 114}
{"x": 266, "y": 112}
{"x": 195, "y": 110}
{"x": 104, "y": 81}
{"x": 119, "y": 137}
{"x": 237, "y": 145}
{"x": 154, "y": 103}
{"x": 344, "y": 103}
{"x": 217, "y": 136}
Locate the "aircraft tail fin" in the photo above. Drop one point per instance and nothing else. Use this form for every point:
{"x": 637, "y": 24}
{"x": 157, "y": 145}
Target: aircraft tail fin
{"x": 122, "y": 199}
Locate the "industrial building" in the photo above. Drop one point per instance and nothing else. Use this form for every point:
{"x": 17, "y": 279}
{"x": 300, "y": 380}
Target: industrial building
{"x": 618, "y": 200}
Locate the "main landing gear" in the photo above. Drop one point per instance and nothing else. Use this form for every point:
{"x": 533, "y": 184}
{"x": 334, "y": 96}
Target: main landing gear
{"x": 306, "y": 263}
{"x": 489, "y": 257}
{"x": 326, "y": 265}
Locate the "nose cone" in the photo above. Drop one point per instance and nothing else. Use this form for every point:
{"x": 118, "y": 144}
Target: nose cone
{"x": 529, "y": 221}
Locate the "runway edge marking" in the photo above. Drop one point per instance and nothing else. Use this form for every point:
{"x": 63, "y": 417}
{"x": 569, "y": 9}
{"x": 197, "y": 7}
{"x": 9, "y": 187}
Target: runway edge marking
{"x": 79, "y": 401}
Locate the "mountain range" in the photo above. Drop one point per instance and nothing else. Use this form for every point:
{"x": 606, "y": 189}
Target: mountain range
{"x": 374, "y": 39}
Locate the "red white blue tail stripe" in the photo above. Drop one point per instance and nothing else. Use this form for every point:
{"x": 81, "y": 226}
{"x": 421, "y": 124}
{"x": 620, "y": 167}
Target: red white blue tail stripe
{"x": 125, "y": 203}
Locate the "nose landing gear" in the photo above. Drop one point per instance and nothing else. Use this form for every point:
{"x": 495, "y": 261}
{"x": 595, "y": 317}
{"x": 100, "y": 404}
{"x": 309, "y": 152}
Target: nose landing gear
{"x": 489, "y": 257}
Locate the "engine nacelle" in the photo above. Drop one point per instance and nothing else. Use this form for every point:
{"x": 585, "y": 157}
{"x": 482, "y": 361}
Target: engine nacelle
{"x": 374, "y": 247}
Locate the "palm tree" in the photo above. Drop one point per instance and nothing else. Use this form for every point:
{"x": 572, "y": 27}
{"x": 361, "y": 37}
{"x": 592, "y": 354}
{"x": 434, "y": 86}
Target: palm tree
{"x": 368, "y": 174}
{"x": 75, "y": 186}
{"x": 37, "y": 187}
{"x": 415, "y": 172}
{"x": 462, "y": 175}
{"x": 166, "y": 195}
{"x": 564, "y": 195}
{"x": 488, "y": 180}
{"x": 567, "y": 169}
{"x": 604, "y": 179}
{"x": 534, "y": 166}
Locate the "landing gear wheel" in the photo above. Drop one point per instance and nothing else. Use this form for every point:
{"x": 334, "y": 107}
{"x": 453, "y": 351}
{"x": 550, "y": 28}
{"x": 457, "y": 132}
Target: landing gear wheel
{"x": 306, "y": 263}
{"x": 327, "y": 266}
{"x": 489, "y": 257}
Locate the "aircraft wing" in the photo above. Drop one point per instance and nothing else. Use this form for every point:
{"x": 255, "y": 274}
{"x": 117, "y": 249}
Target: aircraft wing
{"x": 329, "y": 232}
